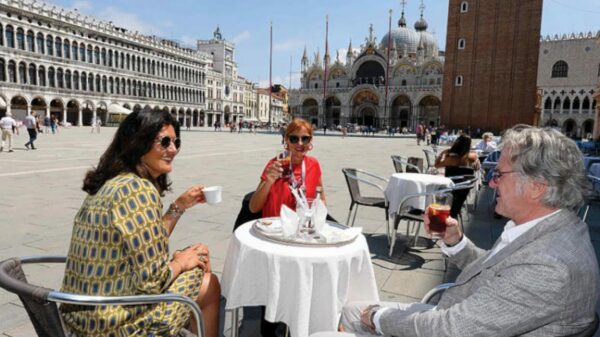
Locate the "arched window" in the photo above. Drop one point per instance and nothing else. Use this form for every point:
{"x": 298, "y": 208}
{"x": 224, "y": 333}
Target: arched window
{"x": 59, "y": 78}
{"x": 40, "y": 43}
{"x": 76, "y": 80}
{"x": 458, "y": 82}
{"x": 51, "y": 78}
{"x": 10, "y": 37}
{"x": 104, "y": 87}
{"x": 548, "y": 104}
{"x": 82, "y": 52}
{"x": 49, "y": 45}
{"x": 576, "y": 105}
{"x": 1, "y": 35}
{"x": 90, "y": 82}
{"x": 68, "y": 79}
{"x": 74, "y": 48}
{"x": 111, "y": 85}
{"x": 461, "y": 43}
{"x": 585, "y": 106}
{"x": 464, "y": 7}
{"x": 20, "y": 38}
{"x": 110, "y": 58}
{"x": 557, "y": 104}
{"x": 144, "y": 65}
{"x": 97, "y": 55}
{"x": 103, "y": 56}
{"x": 67, "y": 48}
{"x": 83, "y": 81}
{"x": 128, "y": 62}
{"x": 560, "y": 69}
{"x": 22, "y": 73}
{"x": 90, "y": 52}
{"x": 98, "y": 85}
{"x": 32, "y": 74}
{"x": 566, "y": 106}
{"x": 12, "y": 72}
{"x": 42, "y": 76}
{"x": 58, "y": 46}
{"x": 2, "y": 70}
{"x": 30, "y": 41}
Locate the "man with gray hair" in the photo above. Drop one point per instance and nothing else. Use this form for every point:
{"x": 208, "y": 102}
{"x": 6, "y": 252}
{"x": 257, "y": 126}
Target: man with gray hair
{"x": 541, "y": 276}
{"x": 7, "y": 125}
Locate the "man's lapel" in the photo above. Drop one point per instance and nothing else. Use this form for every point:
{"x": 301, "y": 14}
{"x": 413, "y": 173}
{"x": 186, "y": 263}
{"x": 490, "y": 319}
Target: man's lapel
{"x": 548, "y": 225}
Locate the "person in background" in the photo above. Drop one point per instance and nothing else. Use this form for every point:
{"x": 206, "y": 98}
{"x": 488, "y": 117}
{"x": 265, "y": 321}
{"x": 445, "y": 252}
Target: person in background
{"x": 32, "y": 129}
{"x": 459, "y": 154}
{"x": 539, "y": 279}
{"x": 7, "y": 125}
{"x": 120, "y": 240}
{"x": 487, "y": 144}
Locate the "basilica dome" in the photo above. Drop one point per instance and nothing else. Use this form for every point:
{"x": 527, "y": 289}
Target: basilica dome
{"x": 405, "y": 38}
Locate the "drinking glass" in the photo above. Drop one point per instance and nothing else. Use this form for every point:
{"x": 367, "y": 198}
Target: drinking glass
{"x": 438, "y": 211}
{"x": 285, "y": 160}
{"x": 306, "y": 227}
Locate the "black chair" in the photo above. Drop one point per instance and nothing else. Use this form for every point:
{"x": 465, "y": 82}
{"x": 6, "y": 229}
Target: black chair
{"x": 460, "y": 175}
{"x": 245, "y": 214}
{"x": 40, "y": 302}
{"x": 353, "y": 178}
{"x": 594, "y": 197}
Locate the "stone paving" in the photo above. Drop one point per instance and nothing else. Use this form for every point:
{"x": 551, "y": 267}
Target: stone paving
{"x": 41, "y": 192}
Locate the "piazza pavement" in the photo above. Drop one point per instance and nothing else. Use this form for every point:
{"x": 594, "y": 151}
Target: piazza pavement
{"x": 41, "y": 192}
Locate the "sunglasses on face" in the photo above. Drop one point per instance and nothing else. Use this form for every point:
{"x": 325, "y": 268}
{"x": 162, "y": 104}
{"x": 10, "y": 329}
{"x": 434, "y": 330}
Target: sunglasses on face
{"x": 294, "y": 139}
{"x": 165, "y": 142}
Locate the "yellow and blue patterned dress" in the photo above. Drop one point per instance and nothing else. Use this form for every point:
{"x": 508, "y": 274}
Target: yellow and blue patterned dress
{"x": 119, "y": 246}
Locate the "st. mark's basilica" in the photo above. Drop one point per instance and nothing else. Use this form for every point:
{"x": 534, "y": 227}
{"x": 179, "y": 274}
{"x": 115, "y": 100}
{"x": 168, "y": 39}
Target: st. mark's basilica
{"x": 334, "y": 92}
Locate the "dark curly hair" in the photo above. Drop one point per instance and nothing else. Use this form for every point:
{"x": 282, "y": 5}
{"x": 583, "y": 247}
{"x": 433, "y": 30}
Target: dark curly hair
{"x": 461, "y": 146}
{"x": 134, "y": 138}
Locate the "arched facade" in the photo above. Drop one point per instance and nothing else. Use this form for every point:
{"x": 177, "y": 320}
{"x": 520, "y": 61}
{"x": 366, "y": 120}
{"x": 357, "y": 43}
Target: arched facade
{"x": 367, "y": 89}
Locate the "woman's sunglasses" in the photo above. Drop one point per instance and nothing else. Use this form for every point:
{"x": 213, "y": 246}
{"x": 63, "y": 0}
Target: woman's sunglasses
{"x": 165, "y": 142}
{"x": 294, "y": 139}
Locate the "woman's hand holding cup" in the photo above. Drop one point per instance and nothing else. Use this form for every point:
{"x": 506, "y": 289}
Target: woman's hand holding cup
{"x": 274, "y": 171}
{"x": 190, "y": 198}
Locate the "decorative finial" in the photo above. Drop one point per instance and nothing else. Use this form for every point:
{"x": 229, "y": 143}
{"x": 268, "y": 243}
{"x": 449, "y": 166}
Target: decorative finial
{"x": 422, "y": 7}
{"x": 402, "y": 21}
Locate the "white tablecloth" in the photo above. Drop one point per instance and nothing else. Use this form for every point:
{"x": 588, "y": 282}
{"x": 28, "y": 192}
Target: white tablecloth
{"x": 403, "y": 184}
{"x": 302, "y": 286}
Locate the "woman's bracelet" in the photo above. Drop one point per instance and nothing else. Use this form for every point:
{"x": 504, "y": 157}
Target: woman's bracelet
{"x": 175, "y": 211}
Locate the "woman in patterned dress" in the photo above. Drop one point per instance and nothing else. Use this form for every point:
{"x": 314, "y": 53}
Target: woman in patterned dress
{"x": 120, "y": 240}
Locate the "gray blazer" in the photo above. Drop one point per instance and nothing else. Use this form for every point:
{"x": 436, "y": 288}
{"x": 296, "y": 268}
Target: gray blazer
{"x": 545, "y": 283}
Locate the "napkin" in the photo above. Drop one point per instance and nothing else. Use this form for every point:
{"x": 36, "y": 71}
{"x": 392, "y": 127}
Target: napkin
{"x": 319, "y": 215}
{"x": 289, "y": 221}
{"x": 332, "y": 234}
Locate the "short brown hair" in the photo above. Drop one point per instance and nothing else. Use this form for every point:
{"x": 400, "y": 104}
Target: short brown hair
{"x": 297, "y": 124}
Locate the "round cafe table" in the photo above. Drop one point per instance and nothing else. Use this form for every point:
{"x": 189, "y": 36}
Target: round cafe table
{"x": 303, "y": 286}
{"x": 404, "y": 184}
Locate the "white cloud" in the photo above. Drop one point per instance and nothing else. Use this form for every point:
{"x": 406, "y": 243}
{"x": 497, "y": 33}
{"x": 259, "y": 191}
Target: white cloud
{"x": 289, "y": 45}
{"x": 128, "y": 21}
{"x": 241, "y": 37}
{"x": 188, "y": 41}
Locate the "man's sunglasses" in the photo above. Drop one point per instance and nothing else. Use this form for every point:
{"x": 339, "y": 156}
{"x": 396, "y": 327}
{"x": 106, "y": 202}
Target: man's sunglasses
{"x": 294, "y": 139}
{"x": 165, "y": 142}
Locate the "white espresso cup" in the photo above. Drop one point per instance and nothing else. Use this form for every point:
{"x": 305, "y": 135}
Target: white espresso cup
{"x": 213, "y": 194}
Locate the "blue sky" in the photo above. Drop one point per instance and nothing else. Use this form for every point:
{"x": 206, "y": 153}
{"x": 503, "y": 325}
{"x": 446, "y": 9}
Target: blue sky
{"x": 298, "y": 23}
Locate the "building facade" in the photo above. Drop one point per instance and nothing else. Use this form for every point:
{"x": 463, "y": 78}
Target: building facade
{"x": 394, "y": 82}
{"x": 568, "y": 76}
{"x": 491, "y": 64}
{"x": 61, "y": 63}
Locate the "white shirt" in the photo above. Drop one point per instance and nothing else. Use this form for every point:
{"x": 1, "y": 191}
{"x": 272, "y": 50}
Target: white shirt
{"x": 486, "y": 147}
{"x": 30, "y": 122}
{"x": 7, "y": 123}
{"x": 511, "y": 232}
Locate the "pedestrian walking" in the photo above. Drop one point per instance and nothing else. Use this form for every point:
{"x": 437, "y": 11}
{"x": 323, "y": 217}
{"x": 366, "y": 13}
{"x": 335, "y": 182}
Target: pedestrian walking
{"x": 54, "y": 124}
{"x": 8, "y": 124}
{"x": 47, "y": 123}
{"x": 98, "y": 124}
{"x": 32, "y": 128}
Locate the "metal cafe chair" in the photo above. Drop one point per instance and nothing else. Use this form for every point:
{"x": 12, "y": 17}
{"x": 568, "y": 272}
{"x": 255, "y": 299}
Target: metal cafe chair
{"x": 594, "y": 198}
{"x": 429, "y": 158}
{"x": 356, "y": 177}
{"x": 411, "y": 216}
{"x": 41, "y": 302}
{"x": 402, "y": 164}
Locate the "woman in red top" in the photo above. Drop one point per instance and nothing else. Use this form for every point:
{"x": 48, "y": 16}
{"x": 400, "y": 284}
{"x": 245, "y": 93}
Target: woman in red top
{"x": 273, "y": 190}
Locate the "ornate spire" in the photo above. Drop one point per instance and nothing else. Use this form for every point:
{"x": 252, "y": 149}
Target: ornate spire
{"x": 421, "y": 24}
{"x": 305, "y": 55}
{"x": 349, "y": 52}
{"x": 402, "y": 21}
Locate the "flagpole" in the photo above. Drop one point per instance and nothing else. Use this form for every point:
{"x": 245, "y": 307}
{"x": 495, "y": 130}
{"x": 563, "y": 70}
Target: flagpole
{"x": 326, "y": 59}
{"x": 387, "y": 70}
{"x": 270, "y": 70}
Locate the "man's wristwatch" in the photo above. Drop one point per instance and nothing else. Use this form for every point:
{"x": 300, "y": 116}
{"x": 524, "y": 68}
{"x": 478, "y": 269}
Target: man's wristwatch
{"x": 372, "y": 313}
